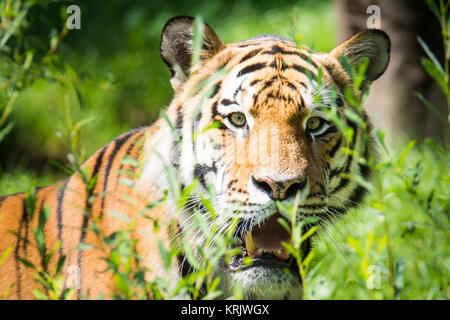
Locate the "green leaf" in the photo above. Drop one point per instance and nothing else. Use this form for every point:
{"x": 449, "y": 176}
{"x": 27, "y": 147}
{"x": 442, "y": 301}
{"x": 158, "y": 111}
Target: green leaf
{"x": 27, "y": 263}
{"x": 308, "y": 234}
{"x": 354, "y": 117}
{"x": 437, "y": 74}
{"x": 5, "y": 254}
{"x": 165, "y": 254}
{"x": 84, "y": 246}
{"x": 197, "y": 39}
{"x": 130, "y": 161}
{"x": 6, "y": 130}
{"x": 189, "y": 254}
{"x": 431, "y": 107}
{"x": 362, "y": 68}
{"x": 405, "y": 152}
{"x": 122, "y": 284}
{"x": 212, "y": 295}
{"x": 431, "y": 55}
{"x": 39, "y": 294}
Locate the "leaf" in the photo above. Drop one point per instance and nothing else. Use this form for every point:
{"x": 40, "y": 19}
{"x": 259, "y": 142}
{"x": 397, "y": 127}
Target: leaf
{"x": 405, "y": 152}
{"x": 130, "y": 161}
{"x": 212, "y": 295}
{"x": 39, "y": 294}
{"x": 345, "y": 62}
{"x": 189, "y": 254}
{"x": 431, "y": 107}
{"x": 362, "y": 68}
{"x": 435, "y": 146}
{"x": 59, "y": 265}
{"x": 197, "y": 39}
{"x": 379, "y": 134}
{"x": 6, "y": 130}
{"x": 27, "y": 263}
{"x": 165, "y": 254}
{"x": 12, "y": 27}
{"x": 354, "y": 117}
{"x": 5, "y": 254}
{"x": 430, "y": 55}
{"x": 308, "y": 234}
{"x": 437, "y": 74}
{"x": 122, "y": 284}
{"x": 126, "y": 182}
{"x": 84, "y": 246}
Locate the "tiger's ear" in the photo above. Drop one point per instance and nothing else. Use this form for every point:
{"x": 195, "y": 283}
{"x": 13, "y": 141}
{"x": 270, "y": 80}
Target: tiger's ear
{"x": 177, "y": 47}
{"x": 372, "y": 44}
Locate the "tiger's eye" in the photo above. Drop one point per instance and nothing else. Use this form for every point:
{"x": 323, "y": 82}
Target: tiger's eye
{"x": 313, "y": 123}
{"x": 237, "y": 119}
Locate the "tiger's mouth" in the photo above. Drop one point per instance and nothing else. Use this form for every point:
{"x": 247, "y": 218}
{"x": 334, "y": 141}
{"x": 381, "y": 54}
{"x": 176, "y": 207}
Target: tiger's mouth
{"x": 264, "y": 245}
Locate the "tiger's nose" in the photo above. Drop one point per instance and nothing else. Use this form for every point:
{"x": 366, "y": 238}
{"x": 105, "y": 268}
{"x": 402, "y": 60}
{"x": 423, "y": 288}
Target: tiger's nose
{"x": 280, "y": 189}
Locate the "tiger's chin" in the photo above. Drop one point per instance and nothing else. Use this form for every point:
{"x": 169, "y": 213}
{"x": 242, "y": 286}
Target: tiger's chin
{"x": 267, "y": 278}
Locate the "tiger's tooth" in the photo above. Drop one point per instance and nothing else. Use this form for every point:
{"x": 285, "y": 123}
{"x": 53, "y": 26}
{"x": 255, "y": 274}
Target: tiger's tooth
{"x": 251, "y": 248}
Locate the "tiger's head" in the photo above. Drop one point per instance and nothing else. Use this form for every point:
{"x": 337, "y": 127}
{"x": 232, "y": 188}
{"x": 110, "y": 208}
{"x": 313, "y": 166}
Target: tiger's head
{"x": 256, "y": 110}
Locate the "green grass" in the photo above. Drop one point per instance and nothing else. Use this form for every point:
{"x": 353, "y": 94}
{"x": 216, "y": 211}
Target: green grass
{"x": 419, "y": 238}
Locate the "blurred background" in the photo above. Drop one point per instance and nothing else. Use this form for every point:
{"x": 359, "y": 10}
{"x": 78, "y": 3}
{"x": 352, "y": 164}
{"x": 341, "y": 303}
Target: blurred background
{"x": 69, "y": 92}
{"x": 109, "y": 74}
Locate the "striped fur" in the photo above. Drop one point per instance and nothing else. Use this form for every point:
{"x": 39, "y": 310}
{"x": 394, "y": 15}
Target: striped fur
{"x": 270, "y": 81}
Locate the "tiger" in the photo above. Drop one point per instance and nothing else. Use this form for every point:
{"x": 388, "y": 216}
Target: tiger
{"x": 262, "y": 91}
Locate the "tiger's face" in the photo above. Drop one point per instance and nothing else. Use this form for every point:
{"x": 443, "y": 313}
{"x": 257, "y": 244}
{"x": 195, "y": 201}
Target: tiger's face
{"x": 257, "y": 110}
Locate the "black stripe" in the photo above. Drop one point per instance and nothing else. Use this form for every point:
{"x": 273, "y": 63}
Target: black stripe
{"x": 201, "y": 170}
{"x": 267, "y": 84}
{"x": 216, "y": 89}
{"x": 276, "y": 49}
{"x": 357, "y": 196}
{"x": 177, "y": 142}
{"x": 59, "y": 210}
{"x": 301, "y": 69}
{"x": 41, "y": 203}
{"x": 119, "y": 142}
{"x": 250, "y": 55}
{"x": 335, "y": 148}
{"x": 237, "y": 91}
{"x": 3, "y": 198}
{"x": 291, "y": 85}
{"x": 88, "y": 206}
{"x": 19, "y": 244}
{"x": 307, "y": 59}
{"x": 129, "y": 150}
{"x": 342, "y": 184}
{"x": 214, "y": 111}
{"x": 227, "y": 102}
{"x": 26, "y": 220}
{"x": 251, "y": 68}
{"x": 365, "y": 171}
